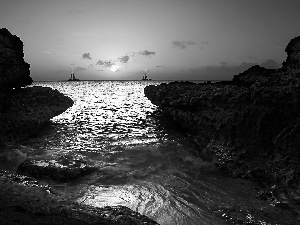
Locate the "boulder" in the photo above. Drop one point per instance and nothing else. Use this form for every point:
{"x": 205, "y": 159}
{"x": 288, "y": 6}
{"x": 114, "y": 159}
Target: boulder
{"x": 63, "y": 169}
{"x": 14, "y": 71}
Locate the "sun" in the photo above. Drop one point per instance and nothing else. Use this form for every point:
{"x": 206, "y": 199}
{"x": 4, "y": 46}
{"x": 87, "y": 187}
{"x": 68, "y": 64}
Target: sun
{"x": 114, "y": 68}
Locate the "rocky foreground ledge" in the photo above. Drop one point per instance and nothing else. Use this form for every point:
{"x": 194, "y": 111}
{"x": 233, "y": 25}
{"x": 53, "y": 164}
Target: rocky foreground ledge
{"x": 250, "y": 125}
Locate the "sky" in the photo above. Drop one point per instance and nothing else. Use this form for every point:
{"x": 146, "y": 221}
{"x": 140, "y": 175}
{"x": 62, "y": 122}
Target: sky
{"x": 169, "y": 39}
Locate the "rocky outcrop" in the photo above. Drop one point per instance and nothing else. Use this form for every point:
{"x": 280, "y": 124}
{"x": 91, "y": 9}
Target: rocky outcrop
{"x": 23, "y": 112}
{"x": 251, "y": 124}
{"x": 14, "y": 71}
{"x": 293, "y": 51}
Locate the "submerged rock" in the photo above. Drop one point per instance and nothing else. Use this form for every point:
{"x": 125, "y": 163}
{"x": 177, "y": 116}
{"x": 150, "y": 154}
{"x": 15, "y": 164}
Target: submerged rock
{"x": 252, "y": 122}
{"x": 62, "y": 170}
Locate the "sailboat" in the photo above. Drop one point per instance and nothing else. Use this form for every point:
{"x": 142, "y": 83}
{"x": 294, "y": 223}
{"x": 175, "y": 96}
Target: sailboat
{"x": 73, "y": 78}
{"x": 145, "y": 76}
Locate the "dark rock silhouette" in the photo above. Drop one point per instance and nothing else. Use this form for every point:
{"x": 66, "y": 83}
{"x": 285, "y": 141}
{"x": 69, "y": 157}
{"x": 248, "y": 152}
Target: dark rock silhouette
{"x": 293, "y": 51}
{"x": 14, "y": 71}
{"x": 252, "y": 123}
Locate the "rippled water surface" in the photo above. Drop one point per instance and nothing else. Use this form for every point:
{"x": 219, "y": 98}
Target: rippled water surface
{"x": 142, "y": 162}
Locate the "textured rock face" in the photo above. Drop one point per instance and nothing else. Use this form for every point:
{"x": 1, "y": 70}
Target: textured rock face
{"x": 293, "y": 52}
{"x": 25, "y": 111}
{"x": 252, "y": 123}
{"x": 14, "y": 71}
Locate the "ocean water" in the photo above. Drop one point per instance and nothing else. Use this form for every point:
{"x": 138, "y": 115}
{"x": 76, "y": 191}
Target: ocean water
{"x": 143, "y": 161}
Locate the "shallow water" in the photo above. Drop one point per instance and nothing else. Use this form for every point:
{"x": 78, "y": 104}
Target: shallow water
{"x": 142, "y": 162}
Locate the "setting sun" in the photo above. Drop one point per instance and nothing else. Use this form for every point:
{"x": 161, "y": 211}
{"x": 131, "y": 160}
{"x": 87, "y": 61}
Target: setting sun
{"x": 115, "y": 68}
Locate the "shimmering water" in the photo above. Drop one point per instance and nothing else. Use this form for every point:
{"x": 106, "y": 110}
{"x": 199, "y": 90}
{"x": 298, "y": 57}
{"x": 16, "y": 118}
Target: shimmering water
{"x": 142, "y": 162}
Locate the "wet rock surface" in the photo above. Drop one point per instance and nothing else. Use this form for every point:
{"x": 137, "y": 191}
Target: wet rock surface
{"x": 251, "y": 125}
{"x": 24, "y": 201}
{"x": 64, "y": 169}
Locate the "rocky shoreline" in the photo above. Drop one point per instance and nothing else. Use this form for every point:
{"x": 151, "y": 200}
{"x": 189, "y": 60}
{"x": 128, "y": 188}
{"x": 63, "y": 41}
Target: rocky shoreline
{"x": 24, "y": 111}
{"x": 250, "y": 126}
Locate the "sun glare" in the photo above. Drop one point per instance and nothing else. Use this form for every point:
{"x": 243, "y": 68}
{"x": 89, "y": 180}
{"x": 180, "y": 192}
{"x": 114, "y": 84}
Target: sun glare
{"x": 114, "y": 68}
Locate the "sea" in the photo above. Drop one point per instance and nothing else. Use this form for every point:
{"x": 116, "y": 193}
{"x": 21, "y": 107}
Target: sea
{"x": 144, "y": 161}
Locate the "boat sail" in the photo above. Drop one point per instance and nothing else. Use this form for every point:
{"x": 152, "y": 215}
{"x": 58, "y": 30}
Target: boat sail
{"x": 145, "y": 77}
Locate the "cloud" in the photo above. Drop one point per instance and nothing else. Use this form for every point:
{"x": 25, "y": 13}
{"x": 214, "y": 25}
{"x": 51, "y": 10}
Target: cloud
{"x": 270, "y": 64}
{"x": 124, "y": 59}
{"x": 182, "y": 44}
{"x": 146, "y": 52}
{"x": 107, "y": 64}
{"x": 86, "y": 56}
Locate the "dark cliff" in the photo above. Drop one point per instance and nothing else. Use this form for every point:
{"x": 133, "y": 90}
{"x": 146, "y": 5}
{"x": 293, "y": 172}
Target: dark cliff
{"x": 23, "y": 110}
{"x": 14, "y": 71}
{"x": 251, "y": 123}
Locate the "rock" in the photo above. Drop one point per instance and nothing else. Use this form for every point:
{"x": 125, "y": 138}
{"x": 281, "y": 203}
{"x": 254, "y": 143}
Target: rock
{"x": 14, "y": 71}
{"x": 27, "y": 110}
{"x": 293, "y": 51}
{"x": 248, "y": 121}
{"x": 63, "y": 169}
{"x": 251, "y": 76}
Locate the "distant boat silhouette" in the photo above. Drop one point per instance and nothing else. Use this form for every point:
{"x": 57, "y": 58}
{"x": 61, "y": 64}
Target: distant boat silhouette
{"x": 73, "y": 78}
{"x": 145, "y": 76}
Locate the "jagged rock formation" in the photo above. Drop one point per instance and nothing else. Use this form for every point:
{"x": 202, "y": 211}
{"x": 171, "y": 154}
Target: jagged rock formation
{"x": 14, "y": 71}
{"x": 252, "y": 124}
{"x": 293, "y": 52}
